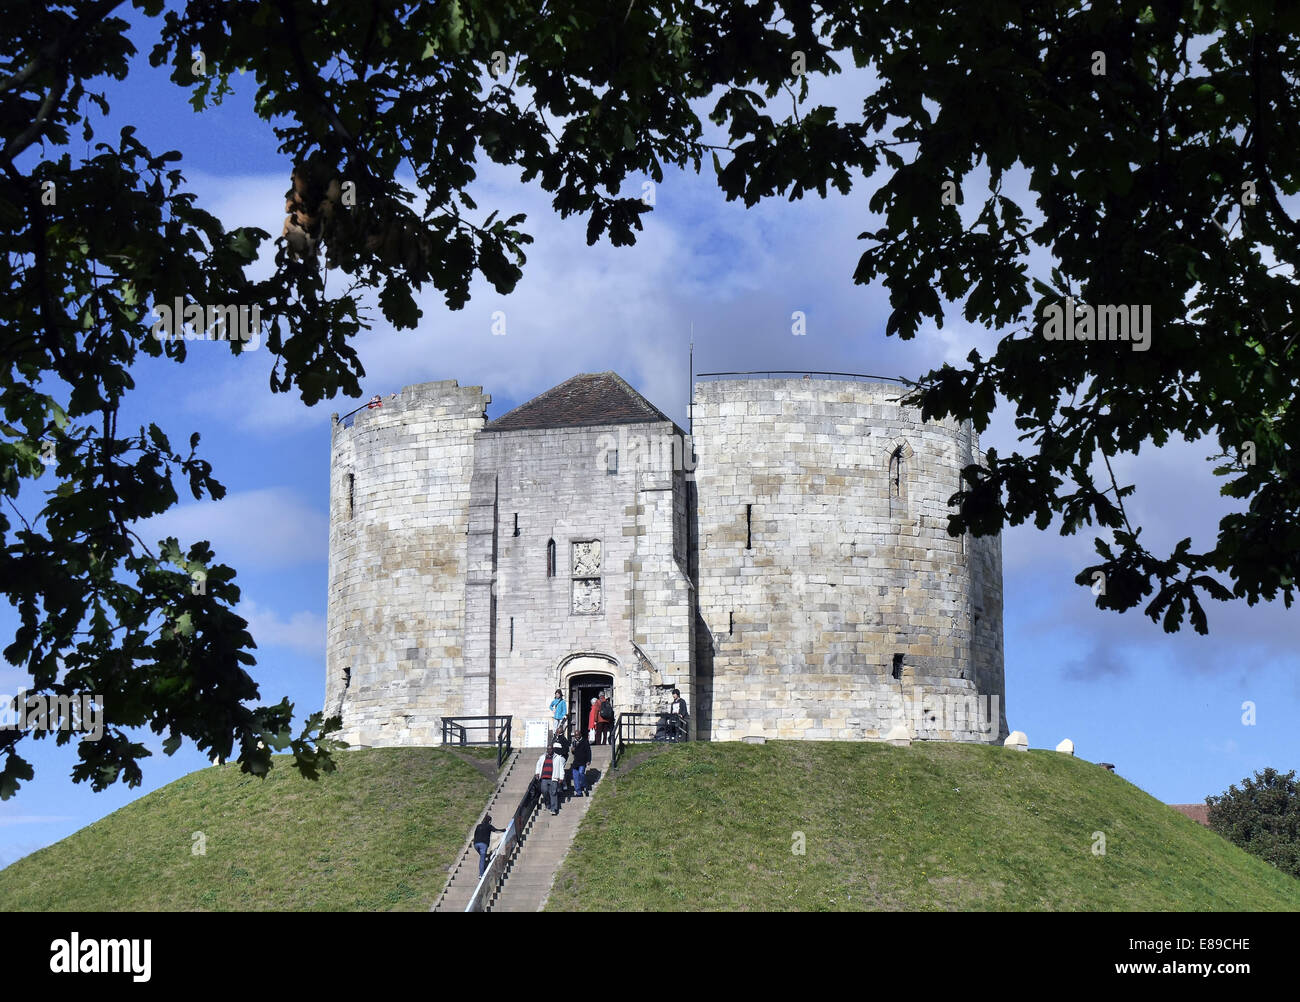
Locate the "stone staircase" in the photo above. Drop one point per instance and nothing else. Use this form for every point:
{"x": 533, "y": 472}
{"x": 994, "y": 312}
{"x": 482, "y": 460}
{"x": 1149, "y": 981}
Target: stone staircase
{"x": 530, "y": 874}
{"x": 511, "y": 787}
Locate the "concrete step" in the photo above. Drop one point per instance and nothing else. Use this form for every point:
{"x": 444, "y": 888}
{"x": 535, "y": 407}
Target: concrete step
{"x": 528, "y": 882}
{"x": 463, "y": 876}
{"x": 545, "y": 843}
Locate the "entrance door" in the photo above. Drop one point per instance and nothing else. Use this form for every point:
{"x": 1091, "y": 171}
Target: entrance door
{"x": 583, "y": 689}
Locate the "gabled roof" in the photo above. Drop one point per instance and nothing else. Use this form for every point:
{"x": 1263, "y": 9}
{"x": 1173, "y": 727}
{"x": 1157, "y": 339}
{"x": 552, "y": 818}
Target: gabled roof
{"x": 591, "y": 398}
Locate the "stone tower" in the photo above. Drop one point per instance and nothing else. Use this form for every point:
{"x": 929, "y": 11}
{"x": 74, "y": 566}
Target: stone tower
{"x": 399, "y": 514}
{"x": 791, "y": 572}
{"x": 830, "y": 593}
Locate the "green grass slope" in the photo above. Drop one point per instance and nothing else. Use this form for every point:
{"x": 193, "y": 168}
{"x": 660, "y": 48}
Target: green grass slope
{"x": 930, "y": 827}
{"x": 378, "y": 834}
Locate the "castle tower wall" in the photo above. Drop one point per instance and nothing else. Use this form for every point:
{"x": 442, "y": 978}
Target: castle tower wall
{"x": 833, "y": 603}
{"x": 987, "y": 652}
{"x": 398, "y": 563}
{"x": 790, "y": 570}
{"x": 663, "y": 624}
{"x": 525, "y": 628}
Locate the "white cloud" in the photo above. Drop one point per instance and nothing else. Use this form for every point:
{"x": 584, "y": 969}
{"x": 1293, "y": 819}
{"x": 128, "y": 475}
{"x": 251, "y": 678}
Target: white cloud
{"x": 736, "y": 275}
{"x": 245, "y": 200}
{"x": 7, "y": 821}
{"x": 1227, "y": 747}
{"x": 302, "y": 631}
{"x": 576, "y": 309}
{"x": 268, "y": 528}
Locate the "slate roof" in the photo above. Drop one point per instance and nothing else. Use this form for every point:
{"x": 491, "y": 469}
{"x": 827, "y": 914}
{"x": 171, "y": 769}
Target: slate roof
{"x": 590, "y": 398}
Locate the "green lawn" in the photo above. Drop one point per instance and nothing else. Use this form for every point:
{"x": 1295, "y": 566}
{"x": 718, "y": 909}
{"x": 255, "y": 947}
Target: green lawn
{"x": 700, "y": 826}
{"x": 934, "y": 827}
{"x": 378, "y": 834}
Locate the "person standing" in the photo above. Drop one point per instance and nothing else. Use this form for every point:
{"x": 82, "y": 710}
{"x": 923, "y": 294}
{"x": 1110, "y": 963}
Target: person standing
{"x": 559, "y": 710}
{"x": 581, "y": 759}
{"x": 562, "y": 743}
{"x": 483, "y": 838}
{"x": 549, "y": 771}
{"x": 678, "y": 715}
{"x": 606, "y": 717}
{"x": 593, "y": 721}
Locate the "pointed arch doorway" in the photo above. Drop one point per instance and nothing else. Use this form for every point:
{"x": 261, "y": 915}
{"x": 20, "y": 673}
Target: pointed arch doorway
{"x": 586, "y": 677}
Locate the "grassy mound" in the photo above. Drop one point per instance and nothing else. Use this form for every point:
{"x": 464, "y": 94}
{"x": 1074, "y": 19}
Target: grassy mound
{"x": 933, "y": 827}
{"x": 378, "y": 834}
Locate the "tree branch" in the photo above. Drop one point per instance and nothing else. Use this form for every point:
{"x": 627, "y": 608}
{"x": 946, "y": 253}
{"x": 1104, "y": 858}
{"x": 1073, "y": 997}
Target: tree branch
{"x": 56, "y": 50}
{"x": 24, "y": 139}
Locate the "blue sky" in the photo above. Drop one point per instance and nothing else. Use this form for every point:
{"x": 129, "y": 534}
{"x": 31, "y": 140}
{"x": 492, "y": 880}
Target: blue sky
{"x": 1166, "y": 710}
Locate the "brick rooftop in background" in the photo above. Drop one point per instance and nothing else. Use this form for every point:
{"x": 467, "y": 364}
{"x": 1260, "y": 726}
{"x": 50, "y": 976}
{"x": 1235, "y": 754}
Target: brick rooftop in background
{"x": 1200, "y": 813}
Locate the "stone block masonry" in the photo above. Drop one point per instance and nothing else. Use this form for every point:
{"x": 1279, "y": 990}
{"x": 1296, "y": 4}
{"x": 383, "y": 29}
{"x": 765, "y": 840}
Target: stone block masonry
{"x": 790, "y": 571}
{"x": 829, "y": 588}
{"x": 399, "y": 516}
{"x": 626, "y": 612}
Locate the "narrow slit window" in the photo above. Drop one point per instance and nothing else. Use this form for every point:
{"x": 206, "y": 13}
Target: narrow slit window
{"x": 749, "y": 526}
{"x": 550, "y": 558}
{"x": 516, "y": 523}
{"x": 897, "y": 486}
{"x": 352, "y": 481}
{"x": 512, "y": 633}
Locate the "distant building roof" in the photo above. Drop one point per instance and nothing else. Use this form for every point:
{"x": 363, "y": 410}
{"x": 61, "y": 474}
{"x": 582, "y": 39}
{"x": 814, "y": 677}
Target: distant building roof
{"x": 1199, "y": 813}
{"x": 591, "y": 398}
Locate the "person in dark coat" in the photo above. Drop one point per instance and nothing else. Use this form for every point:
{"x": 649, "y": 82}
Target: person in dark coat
{"x": 482, "y": 839}
{"x": 605, "y": 712}
{"x": 581, "y": 759}
{"x": 562, "y": 743}
{"x": 677, "y": 715}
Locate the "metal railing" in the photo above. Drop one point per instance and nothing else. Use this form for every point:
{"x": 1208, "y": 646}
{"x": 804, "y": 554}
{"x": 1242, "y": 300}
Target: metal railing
{"x": 642, "y": 728}
{"x": 347, "y": 419}
{"x": 457, "y": 731}
{"x": 505, "y": 848}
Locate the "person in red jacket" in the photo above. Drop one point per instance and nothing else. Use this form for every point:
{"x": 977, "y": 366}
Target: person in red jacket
{"x": 593, "y": 720}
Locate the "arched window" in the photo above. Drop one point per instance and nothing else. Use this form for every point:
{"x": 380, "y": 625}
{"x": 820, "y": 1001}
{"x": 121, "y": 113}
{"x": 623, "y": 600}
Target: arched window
{"x": 550, "y": 558}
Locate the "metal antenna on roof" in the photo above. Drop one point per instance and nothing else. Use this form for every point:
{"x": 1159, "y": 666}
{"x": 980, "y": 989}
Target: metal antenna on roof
{"x": 690, "y": 400}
